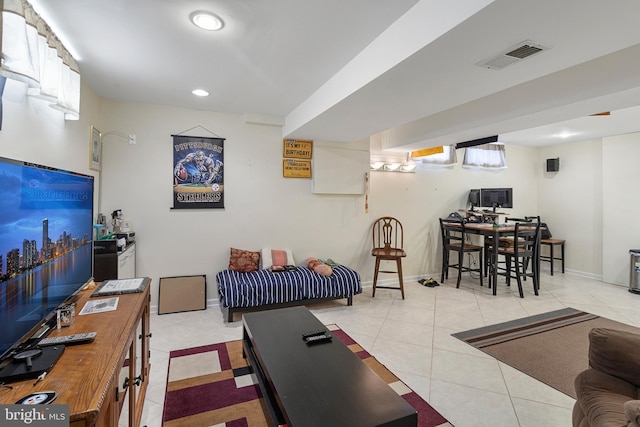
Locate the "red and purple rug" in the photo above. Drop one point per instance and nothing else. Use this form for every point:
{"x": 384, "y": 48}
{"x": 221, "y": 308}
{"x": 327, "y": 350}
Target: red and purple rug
{"x": 213, "y": 386}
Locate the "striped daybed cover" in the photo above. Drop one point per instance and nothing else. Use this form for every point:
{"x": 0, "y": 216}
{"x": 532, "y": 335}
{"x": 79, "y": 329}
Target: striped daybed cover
{"x": 265, "y": 289}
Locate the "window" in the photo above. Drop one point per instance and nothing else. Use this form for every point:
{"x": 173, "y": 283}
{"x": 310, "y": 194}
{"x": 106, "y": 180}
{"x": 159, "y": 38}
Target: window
{"x": 446, "y": 158}
{"x": 487, "y": 156}
{"x": 32, "y": 54}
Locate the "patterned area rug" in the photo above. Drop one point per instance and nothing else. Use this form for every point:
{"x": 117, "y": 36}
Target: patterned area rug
{"x": 213, "y": 386}
{"x": 551, "y": 347}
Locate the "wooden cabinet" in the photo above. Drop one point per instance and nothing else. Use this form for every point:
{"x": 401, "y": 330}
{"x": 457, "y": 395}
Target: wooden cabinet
{"x": 127, "y": 262}
{"x": 134, "y": 374}
{"x": 103, "y": 382}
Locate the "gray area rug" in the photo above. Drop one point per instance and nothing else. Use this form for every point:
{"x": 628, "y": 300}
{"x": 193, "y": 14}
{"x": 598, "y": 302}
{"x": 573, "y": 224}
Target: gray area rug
{"x": 551, "y": 347}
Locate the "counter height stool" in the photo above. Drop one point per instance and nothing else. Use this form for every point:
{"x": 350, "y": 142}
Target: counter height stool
{"x": 454, "y": 239}
{"x": 525, "y": 249}
{"x": 551, "y": 257}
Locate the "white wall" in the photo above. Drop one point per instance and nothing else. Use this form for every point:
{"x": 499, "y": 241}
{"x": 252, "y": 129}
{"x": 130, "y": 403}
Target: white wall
{"x": 570, "y": 201}
{"x": 620, "y": 205}
{"x": 265, "y": 209}
{"x": 262, "y": 209}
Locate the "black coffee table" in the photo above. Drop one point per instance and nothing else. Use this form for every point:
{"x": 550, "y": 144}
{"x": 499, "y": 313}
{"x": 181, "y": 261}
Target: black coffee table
{"x": 323, "y": 384}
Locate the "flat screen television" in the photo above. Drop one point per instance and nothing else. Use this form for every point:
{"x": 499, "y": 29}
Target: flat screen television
{"x": 46, "y": 248}
{"x": 496, "y": 197}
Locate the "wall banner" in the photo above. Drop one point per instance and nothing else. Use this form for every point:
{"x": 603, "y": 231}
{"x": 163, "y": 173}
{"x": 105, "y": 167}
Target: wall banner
{"x": 198, "y": 172}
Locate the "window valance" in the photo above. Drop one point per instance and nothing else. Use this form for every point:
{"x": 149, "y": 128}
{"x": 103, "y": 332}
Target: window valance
{"x": 488, "y": 156}
{"x": 32, "y": 54}
{"x": 448, "y": 157}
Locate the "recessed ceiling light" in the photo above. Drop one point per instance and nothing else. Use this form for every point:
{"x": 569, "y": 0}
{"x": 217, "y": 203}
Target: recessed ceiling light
{"x": 565, "y": 134}
{"x": 200, "y": 92}
{"x": 206, "y": 20}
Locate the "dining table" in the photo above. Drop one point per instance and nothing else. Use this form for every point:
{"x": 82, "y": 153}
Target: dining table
{"x": 495, "y": 231}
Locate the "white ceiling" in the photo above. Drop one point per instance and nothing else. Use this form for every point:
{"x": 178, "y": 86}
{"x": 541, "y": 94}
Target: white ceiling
{"x": 343, "y": 70}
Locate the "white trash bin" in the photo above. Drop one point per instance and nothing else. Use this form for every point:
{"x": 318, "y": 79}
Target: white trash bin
{"x": 634, "y": 271}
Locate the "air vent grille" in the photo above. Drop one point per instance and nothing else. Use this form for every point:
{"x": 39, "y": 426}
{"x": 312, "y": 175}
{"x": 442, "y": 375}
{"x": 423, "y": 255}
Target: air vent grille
{"x": 524, "y": 51}
{"x": 512, "y": 55}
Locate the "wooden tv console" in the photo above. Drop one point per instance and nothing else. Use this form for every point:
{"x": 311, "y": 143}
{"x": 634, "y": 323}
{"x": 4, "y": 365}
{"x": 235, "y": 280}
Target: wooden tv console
{"x": 106, "y": 380}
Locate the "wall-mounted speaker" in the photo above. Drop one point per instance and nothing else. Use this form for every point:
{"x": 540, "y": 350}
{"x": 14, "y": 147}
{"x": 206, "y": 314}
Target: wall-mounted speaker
{"x": 553, "y": 165}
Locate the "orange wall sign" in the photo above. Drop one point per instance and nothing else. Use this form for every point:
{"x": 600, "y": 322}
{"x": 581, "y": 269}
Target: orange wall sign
{"x": 292, "y": 168}
{"x": 297, "y": 149}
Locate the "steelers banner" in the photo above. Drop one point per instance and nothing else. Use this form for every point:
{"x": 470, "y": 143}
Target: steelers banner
{"x": 198, "y": 172}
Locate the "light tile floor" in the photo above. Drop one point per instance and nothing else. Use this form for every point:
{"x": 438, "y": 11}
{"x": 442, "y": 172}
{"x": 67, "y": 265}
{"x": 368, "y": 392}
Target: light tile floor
{"x": 412, "y": 337}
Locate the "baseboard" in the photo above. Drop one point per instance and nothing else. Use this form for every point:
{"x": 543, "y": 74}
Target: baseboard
{"x": 392, "y": 281}
{"x": 211, "y": 303}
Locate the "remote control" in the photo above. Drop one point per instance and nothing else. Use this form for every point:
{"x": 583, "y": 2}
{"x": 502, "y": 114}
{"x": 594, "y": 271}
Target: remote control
{"x": 68, "y": 339}
{"x": 308, "y": 334}
{"x": 317, "y": 338}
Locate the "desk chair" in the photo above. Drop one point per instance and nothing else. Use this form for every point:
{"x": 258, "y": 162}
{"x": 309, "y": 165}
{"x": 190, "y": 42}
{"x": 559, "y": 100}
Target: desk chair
{"x": 551, "y": 257}
{"x": 454, "y": 239}
{"x": 524, "y": 250}
{"x": 388, "y": 243}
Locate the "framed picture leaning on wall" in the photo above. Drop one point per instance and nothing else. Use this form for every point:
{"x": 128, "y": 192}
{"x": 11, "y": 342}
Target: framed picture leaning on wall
{"x": 95, "y": 149}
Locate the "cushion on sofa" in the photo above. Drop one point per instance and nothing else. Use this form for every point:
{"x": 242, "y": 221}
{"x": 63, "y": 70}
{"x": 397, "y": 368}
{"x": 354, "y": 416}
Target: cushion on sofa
{"x": 272, "y": 257}
{"x": 602, "y": 397}
{"x": 615, "y": 353}
{"x": 243, "y": 260}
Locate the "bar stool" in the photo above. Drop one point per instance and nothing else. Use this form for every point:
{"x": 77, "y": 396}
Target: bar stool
{"x": 454, "y": 240}
{"x": 551, "y": 257}
{"x": 524, "y": 250}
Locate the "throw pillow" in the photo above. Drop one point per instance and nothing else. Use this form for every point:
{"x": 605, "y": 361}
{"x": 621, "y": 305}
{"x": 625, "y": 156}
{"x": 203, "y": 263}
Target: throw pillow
{"x": 244, "y": 261}
{"x": 276, "y": 257}
{"x": 632, "y": 413}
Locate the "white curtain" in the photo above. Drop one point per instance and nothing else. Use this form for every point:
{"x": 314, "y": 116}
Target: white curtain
{"x": 446, "y": 158}
{"x": 488, "y": 156}
{"x": 32, "y": 54}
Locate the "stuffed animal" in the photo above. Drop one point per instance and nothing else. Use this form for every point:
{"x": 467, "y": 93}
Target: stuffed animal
{"x": 319, "y": 267}
{"x": 632, "y": 412}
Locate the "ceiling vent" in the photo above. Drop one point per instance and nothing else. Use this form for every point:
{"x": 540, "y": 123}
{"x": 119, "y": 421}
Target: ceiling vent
{"x": 514, "y": 54}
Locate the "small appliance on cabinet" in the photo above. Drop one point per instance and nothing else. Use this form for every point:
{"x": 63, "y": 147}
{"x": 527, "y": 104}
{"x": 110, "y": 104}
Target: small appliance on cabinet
{"x": 109, "y": 262}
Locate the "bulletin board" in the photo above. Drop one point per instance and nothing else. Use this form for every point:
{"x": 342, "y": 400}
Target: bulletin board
{"x": 182, "y": 293}
{"x": 339, "y": 171}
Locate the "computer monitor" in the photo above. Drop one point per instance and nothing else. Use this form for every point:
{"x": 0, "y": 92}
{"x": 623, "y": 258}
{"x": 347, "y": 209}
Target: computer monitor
{"x": 474, "y": 198}
{"x": 496, "y": 197}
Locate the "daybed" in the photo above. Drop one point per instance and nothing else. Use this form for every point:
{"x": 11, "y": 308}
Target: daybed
{"x": 263, "y": 289}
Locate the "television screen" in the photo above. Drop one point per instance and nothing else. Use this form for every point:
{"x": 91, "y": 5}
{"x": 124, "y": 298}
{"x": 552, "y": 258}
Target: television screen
{"x": 496, "y": 197}
{"x": 46, "y": 250}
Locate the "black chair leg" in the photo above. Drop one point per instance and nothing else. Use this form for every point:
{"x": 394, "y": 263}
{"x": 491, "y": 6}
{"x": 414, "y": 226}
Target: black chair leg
{"x": 480, "y": 267}
{"x": 519, "y": 280}
{"x": 535, "y": 273}
{"x": 460, "y": 262}
{"x": 445, "y": 266}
